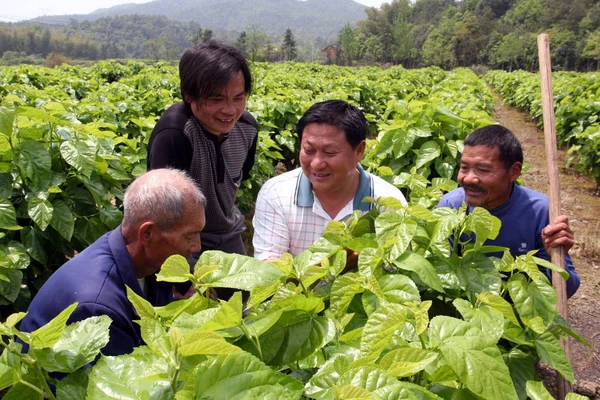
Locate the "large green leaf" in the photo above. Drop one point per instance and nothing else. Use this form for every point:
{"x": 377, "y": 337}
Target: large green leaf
{"x": 136, "y": 376}
{"x": 10, "y": 285}
{"x": 407, "y": 391}
{"x": 174, "y": 269}
{"x": 479, "y": 366}
{"x": 52, "y": 332}
{"x": 486, "y": 318}
{"x": 232, "y": 377}
{"x": 418, "y": 264}
{"x": 537, "y": 391}
{"x": 62, "y": 219}
{"x": 535, "y": 303}
{"x": 7, "y": 119}
{"x": 380, "y": 328}
{"x": 200, "y": 342}
{"x": 35, "y": 163}
{"x": 35, "y": 243}
{"x": 238, "y": 272}
{"x": 551, "y": 352}
{"x": 79, "y": 345}
{"x": 428, "y": 152}
{"x": 322, "y": 382}
{"x": 522, "y": 369}
{"x": 478, "y": 274}
{"x": 8, "y": 216}
{"x": 80, "y": 154}
{"x": 296, "y": 335}
{"x": 155, "y": 336}
{"x": 5, "y": 186}
{"x": 73, "y": 386}
{"x": 343, "y": 290}
{"x": 367, "y": 377}
{"x": 483, "y": 224}
{"x": 40, "y": 211}
{"x": 394, "y": 233}
{"x": 499, "y": 303}
{"x": 142, "y": 306}
{"x": 406, "y": 361}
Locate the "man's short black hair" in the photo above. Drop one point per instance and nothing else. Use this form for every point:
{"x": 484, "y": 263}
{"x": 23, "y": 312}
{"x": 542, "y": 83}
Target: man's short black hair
{"x": 337, "y": 113}
{"x": 207, "y": 67}
{"x": 498, "y": 136}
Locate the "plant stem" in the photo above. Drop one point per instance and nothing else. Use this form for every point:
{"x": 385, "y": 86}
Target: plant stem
{"x": 32, "y": 387}
{"x": 42, "y": 378}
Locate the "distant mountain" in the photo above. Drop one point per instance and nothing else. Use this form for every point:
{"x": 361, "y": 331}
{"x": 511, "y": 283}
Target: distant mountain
{"x": 311, "y": 18}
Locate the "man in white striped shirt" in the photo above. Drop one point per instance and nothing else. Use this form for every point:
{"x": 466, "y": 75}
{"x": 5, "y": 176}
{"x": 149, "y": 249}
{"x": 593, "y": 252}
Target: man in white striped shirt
{"x": 293, "y": 209}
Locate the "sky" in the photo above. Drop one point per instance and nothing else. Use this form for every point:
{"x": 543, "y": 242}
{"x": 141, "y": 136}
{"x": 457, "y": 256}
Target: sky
{"x": 16, "y": 10}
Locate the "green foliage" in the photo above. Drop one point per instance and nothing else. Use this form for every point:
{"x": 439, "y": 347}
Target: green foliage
{"x": 576, "y": 107}
{"x": 382, "y": 331}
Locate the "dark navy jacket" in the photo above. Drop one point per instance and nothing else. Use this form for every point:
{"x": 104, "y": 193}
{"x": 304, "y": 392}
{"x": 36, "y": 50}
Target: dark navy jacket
{"x": 523, "y": 217}
{"x": 96, "y": 278}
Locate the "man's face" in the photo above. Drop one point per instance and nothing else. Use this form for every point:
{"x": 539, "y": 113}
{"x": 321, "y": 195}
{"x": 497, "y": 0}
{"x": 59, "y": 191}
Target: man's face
{"x": 327, "y": 159}
{"x": 484, "y": 177}
{"x": 182, "y": 239}
{"x": 219, "y": 112}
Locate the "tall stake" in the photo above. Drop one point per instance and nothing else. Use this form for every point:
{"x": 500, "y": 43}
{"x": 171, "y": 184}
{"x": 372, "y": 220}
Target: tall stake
{"x": 557, "y": 254}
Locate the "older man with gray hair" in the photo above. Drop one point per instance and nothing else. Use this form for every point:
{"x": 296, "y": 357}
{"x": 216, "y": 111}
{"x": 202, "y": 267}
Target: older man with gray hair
{"x": 163, "y": 216}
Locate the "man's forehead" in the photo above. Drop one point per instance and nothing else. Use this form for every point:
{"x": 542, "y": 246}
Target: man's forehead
{"x": 481, "y": 154}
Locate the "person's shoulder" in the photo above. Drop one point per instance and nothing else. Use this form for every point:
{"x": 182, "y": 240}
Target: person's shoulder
{"x": 282, "y": 181}
{"x": 383, "y": 188}
{"x": 248, "y": 119}
{"x": 453, "y": 198}
{"x": 532, "y": 199}
{"x": 174, "y": 118}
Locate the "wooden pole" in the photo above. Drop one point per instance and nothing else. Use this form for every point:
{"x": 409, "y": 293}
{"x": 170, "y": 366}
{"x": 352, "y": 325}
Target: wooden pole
{"x": 557, "y": 254}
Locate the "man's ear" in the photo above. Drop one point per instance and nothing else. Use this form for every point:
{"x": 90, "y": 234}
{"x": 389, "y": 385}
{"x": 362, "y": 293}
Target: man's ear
{"x": 147, "y": 232}
{"x": 360, "y": 149}
{"x": 515, "y": 171}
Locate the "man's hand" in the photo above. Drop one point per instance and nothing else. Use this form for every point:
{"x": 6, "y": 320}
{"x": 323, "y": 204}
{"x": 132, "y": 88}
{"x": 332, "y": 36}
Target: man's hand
{"x": 558, "y": 233}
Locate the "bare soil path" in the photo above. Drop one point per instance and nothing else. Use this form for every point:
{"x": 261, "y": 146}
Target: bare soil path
{"x": 580, "y": 201}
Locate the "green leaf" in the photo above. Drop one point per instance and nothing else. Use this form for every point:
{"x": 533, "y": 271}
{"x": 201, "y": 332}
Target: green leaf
{"x": 537, "y": 391}
{"x": 343, "y": 290}
{"x": 232, "y": 377}
{"x": 136, "y": 376}
{"x": 73, "y": 386}
{"x": 478, "y": 274}
{"x": 10, "y": 285}
{"x": 408, "y": 391}
{"x": 296, "y": 335}
{"x": 380, "y": 328}
{"x": 499, "y": 303}
{"x": 237, "y": 271}
{"x": 35, "y": 244}
{"x": 547, "y": 264}
{"x": 322, "y": 382}
{"x": 40, "y": 211}
{"x": 8, "y": 376}
{"x": 7, "y": 118}
{"x": 522, "y": 369}
{"x": 155, "y": 336}
{"x": 551, "y": 352}
{"x": 5, "y": 187}
{"x": 80, "y": 154}
{"x": 79, "y": 345}
{"x": 534, "y": 302}
{"x": 367, "y": 377}
{"x": 111, "y": 216}
{"x": 479, "y": 365}
{"x": 353, "y": 393}
{"x": 422, "y": 268}
{"x": 483, "y": 224}
{"x": 228, "y": 315}
{"x": 174, "y": 269}
{"x": 428, "y": 152}
{"x": 62, "y": 219}
{"x": 49, "y": 334}
{"x": 142, "y": 306}
{"x": 35, "y": 162}
{"x": 200, "y": 342}
{"x": 8, "y": 215}
{"x": 404, "y": 362}
{"x": 486, "y": 318}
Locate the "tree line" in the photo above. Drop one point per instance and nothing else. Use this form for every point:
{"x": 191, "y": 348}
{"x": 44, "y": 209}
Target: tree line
{"x": 496, "y": 33}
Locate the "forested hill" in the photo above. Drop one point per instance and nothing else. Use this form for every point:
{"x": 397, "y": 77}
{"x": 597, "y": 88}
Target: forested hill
{"x": 311, "y": 17}
{"x": 494, "y": 33}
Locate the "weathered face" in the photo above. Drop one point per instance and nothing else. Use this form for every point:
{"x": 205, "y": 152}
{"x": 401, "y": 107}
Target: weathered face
{"x": 219, "y": 112}
{"x": 327, "y": 159}
{"x": 484, "y": 177}
{"x": 182, "y": 239}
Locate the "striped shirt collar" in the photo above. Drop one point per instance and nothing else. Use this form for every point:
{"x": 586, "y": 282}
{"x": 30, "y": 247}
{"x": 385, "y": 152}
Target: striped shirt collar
{"x": 304, "y": 196}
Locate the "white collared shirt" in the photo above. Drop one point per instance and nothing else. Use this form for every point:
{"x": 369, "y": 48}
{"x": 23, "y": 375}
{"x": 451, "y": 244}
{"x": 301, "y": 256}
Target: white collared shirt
{"x": 289, "y": 218}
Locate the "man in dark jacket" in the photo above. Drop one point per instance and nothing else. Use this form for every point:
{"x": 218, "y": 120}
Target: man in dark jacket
{"x": 163, "y": 216}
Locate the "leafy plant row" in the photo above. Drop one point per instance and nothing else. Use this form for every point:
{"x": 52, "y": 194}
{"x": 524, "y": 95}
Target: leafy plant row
{"x": 576, "y": 107}
{"x": 72, "y": 138}
{"x": 413, "y": 321}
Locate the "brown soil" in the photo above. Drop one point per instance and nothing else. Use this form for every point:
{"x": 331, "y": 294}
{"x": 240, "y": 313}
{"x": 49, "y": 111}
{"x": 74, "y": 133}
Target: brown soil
{"x": 580, "y": 201}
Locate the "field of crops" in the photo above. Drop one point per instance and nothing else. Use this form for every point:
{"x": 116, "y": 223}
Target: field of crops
{"x": 415, "y": 321}
{"x": 576, "y": 106}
